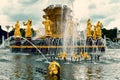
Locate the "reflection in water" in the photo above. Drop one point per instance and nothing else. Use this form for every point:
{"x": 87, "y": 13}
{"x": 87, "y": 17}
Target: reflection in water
{"x": 98, "y": 71}
{"x": 93, "y": 72}
{"x": 81, "y": 72}
{"x": 67, "y": 71}
{"x": 23, "y": 68}
{"x": 54, "y": 77}
{"x": 89, "y": 71}
{"x": 17, "y": 70}
{"x": 17, "y": 57}
{"x": 29, "y": 73}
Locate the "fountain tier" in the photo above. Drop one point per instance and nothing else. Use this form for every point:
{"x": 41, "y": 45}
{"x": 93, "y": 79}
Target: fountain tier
{"x": 59, "y": 15}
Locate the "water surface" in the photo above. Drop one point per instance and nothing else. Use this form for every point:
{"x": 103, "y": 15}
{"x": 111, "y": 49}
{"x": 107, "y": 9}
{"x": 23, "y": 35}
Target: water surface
{"x": 22, "y": 66}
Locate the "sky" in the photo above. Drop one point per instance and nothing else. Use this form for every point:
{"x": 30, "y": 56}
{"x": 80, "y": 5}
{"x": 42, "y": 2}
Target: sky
{"x": 106, "y": 11}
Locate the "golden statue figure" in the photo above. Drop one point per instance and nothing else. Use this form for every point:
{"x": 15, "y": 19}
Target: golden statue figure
{"x": 89, "y": 27}
{"x": 86, "y": 55}
{"x": 60, "y": 55}
{"x": 47, "y": 24}
{"x": 64, "y": 55}
{"x": 54, "y": 68}
{"x": 17, "y": 32}
{"x": 28, "y": 32}
{"x": 99, "y": 34}
{"x": 75, "y": 56}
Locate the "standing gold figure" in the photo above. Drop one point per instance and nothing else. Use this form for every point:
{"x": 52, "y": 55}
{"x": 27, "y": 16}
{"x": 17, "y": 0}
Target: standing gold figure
{"x": 17, "y": 32}
{"x": 28, "y": 32}
{"x": 89, "y": 27}
{"x": 99, "y": 25}
{"x": 47, "y": 24}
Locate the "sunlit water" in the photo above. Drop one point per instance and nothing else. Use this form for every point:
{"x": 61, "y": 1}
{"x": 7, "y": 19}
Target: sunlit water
{"x": 22, "y": 66}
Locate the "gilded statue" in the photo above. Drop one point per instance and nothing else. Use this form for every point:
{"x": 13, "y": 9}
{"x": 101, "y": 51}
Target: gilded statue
{"x": 28, "y": 32}
{"x": 47, "y": 24}
{"x": 89, "y": 28}
{"x": 17, "y": 32}
{"x": 98, "y": 26}
{"x": 54, "y": 68}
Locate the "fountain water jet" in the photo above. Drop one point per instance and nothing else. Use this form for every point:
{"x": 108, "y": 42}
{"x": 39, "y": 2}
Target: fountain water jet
{"x": 8, "y": 39}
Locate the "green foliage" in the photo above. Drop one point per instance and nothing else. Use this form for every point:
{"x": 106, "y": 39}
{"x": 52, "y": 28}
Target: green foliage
{"x": 33, "y": 32}
{"x": 22, "y": 32}
{"x": 111, "y": 34}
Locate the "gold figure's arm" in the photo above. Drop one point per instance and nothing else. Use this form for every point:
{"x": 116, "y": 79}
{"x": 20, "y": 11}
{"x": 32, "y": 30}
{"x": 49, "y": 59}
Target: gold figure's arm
{"x": 30, "y": 22}
{"x": 43, "y": 22}
{"x": 24, "y": 24}
{"x": 13, "y": 27}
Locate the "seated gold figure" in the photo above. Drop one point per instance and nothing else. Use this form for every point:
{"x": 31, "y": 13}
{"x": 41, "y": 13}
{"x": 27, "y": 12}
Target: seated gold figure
{"x": 75, "y": 56}
{"x": 17, "y": 32}
{"x": 47, "y": 24}
{"x": 89, "y": 27}
{"x": 60, "y": 55}
{"x": 28, "y": 32}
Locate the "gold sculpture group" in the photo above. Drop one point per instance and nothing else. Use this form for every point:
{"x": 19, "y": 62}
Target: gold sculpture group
{"x": 97, "y": 30}
{"x": 47, "y": 23}
{"x": 28, "y": 32}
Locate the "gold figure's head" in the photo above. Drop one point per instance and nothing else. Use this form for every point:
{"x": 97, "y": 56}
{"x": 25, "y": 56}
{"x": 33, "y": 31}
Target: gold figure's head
{"x": 88, "y": 21}
{"x": 17, "y": 21}
{"x": 99, "y": 23}
{"x": 29, "y": 19}
{"x": 47, "y": 17}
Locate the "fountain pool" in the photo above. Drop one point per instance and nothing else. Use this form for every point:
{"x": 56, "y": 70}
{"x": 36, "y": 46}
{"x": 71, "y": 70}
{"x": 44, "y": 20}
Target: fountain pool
{"x": 22, "y": 66}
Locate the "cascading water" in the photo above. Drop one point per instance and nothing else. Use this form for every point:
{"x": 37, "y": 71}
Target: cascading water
{"x": 70, "y": 38}
{"x": 3, "y": 42}
{"x": 66, "y": 37}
